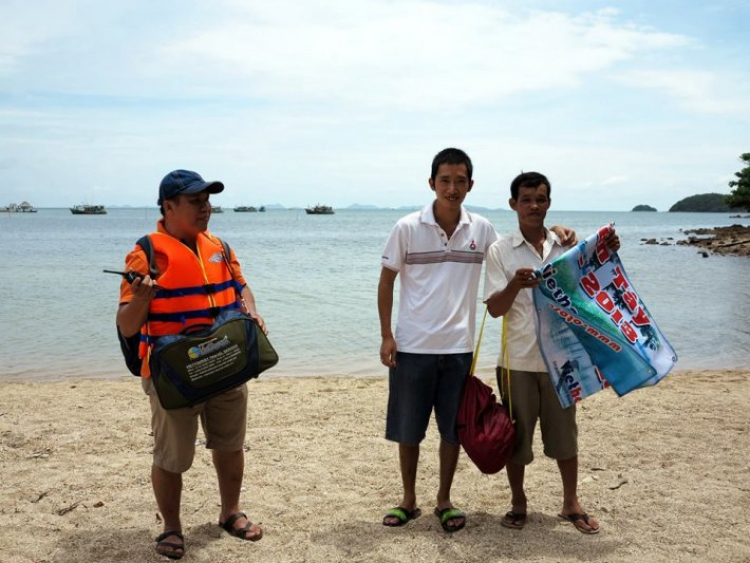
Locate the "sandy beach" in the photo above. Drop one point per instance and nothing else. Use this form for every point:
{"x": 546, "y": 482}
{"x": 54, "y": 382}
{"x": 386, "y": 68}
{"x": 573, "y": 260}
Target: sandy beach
{"x": 665, "y": 470}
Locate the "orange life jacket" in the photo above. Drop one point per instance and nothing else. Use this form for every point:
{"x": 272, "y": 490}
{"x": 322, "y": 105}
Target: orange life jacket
{"x": 193, "y": 289}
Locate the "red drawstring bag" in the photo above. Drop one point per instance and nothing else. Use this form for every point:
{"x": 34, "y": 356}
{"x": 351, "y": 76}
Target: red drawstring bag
{"x": 484, "y": 427}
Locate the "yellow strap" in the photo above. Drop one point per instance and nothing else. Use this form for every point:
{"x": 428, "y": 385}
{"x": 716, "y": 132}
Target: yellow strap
{"x": 505, "y": 369}
{"x": 505, "y": 362}
{"x": 479, "y": 341}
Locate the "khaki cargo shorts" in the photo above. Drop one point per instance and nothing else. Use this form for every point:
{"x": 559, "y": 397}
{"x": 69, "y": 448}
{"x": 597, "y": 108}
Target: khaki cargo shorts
{"x": 223, "y": 418}
{"x": 533, "y": 398}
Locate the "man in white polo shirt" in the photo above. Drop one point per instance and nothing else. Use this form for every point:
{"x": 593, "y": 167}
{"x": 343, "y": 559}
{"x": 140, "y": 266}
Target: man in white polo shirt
{"x": 438, "y": 252}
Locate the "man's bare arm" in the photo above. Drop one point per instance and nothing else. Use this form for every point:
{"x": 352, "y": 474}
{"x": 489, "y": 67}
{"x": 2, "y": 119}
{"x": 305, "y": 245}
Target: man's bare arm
{"x": 385, "y": 313}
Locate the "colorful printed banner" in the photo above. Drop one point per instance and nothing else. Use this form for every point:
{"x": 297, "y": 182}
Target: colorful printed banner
{"x": 594, "y": 331}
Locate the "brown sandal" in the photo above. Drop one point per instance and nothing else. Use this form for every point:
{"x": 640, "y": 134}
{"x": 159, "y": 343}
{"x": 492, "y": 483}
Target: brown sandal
{"x": 162, "y": 543}
{"x": 228, "y": 525}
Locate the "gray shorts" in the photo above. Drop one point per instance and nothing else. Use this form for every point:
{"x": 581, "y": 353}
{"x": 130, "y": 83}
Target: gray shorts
{"x": 533, "y": 398}
{"x": 418, "y": 383}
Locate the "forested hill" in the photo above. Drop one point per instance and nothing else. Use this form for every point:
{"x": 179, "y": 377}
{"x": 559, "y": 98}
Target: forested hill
{"x": 713, "y": 202}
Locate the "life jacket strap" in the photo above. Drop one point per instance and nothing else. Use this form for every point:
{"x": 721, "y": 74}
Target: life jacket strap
{"x": 184, "y": 316}
{"x": 206, "y": 289}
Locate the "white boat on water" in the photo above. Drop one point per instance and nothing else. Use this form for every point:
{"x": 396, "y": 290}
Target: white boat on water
{"x": 24, "y": 207}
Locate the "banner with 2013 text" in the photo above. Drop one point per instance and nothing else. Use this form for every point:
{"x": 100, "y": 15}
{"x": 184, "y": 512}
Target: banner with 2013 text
{"x": 594, "y": 330}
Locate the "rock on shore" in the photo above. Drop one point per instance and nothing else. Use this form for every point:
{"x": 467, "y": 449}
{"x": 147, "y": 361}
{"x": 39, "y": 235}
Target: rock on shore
{"x": 728, "y": 241}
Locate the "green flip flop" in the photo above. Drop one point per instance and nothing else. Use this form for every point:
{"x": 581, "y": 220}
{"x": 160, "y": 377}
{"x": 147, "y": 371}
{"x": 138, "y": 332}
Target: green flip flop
{"x": 448, "y": 514}
{"x": 402, "y": 515}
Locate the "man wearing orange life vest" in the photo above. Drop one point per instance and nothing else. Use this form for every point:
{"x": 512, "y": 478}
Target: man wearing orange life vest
{"x": 195, "y": 283}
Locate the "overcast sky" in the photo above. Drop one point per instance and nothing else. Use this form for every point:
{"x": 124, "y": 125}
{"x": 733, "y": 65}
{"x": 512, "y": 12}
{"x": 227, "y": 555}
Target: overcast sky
{"x": 347, "y": 101}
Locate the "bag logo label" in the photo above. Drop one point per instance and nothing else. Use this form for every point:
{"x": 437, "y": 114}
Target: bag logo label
{"x": 216, "y": 258}
{"x": 207, "y": 347}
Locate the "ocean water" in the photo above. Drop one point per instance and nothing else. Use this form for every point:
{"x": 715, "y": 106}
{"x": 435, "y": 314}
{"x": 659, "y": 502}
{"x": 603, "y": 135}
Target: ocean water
{"x": 315, "y": 279}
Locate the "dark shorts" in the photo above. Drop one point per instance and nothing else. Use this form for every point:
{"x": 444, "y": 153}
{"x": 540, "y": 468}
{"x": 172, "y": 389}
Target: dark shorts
{"x": 418, "y": 383}
{"x": 533, "y": 398}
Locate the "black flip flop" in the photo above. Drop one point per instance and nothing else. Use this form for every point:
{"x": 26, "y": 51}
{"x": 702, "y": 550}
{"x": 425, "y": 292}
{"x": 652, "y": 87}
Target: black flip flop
{"x": 514, "y": 520}
{"x": 576, "y": 518}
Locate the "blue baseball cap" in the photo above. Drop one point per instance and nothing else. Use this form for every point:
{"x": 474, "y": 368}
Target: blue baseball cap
{"x": 185, "y": 182}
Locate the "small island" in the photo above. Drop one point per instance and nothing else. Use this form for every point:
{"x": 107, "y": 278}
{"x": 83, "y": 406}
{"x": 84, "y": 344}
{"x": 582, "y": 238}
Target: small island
{"x": 734, "y": 239}
{"x": 644, "y": 208}
{"x": 706, "y": 203}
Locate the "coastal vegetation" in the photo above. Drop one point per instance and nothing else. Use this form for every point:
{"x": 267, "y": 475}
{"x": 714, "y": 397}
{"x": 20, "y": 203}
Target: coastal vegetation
{"x": 740, "y": 196}
{"x": 709, "y": 203}
{"x": 644, "y": 208}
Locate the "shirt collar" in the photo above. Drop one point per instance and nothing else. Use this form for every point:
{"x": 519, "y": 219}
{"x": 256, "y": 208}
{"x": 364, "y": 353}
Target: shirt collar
{"x": 517, "y": 238}
{"x": 160, "y": 228}
{"x": 427, "y": 215}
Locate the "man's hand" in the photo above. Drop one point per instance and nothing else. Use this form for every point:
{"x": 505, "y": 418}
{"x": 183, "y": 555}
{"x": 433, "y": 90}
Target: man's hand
{"x": 144, "y": 289}
{"x": 525, "y": 278}
{"x": 567, "y": 236}
{"x": 388, "y": 352}
{"x": 258, "y": 319}
{"x": 612, "y": 241}
{"x": 132, "y": 315}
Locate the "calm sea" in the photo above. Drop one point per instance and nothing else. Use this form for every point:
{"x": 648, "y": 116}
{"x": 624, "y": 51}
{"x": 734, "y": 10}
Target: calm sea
{"x": 315, "y": 280}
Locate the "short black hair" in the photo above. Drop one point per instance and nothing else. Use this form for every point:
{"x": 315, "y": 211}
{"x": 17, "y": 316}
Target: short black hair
{"x": 451, "y": 156}
{"x": 529, "y": 180}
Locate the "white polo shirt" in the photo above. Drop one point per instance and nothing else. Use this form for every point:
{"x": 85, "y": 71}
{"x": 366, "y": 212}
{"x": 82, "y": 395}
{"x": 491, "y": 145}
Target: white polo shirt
{"x": 507, "y": 255}
{"x": 438, "y": 280}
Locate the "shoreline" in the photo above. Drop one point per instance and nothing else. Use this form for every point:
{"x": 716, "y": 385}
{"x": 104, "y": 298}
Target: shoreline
{"x": 484, "y": 371}
{"x": 732, "y": 240}
{"x": 663, "y": 469}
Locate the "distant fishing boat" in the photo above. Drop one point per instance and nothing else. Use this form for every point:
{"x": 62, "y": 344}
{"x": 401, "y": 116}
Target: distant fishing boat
{"x": 88, "y": 210}
{"x": 246, "y": 209}
{"x": 320, "y": 210}
{"x": 216, "y": 209}
{"x": 25, "y": 207}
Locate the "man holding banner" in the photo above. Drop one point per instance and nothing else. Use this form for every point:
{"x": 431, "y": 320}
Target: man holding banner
{"x": 522, "y": 374}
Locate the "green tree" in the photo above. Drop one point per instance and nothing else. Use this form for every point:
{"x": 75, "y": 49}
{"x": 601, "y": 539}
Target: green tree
{"x": 740, "y": 196}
